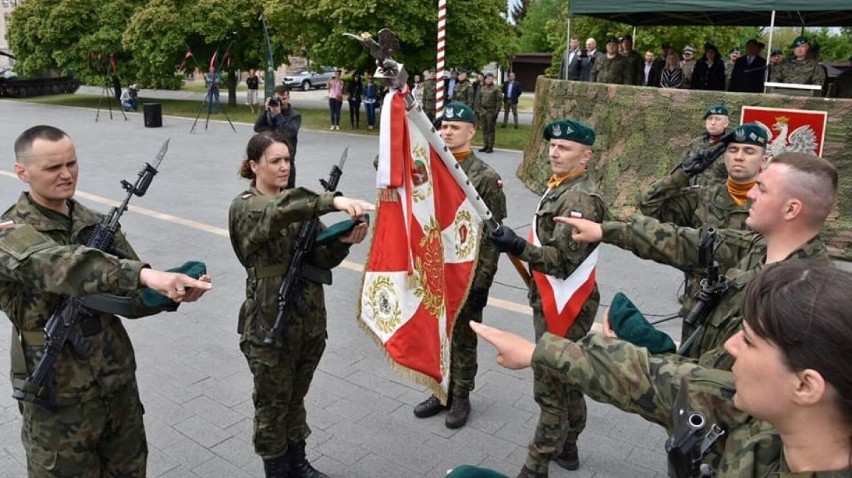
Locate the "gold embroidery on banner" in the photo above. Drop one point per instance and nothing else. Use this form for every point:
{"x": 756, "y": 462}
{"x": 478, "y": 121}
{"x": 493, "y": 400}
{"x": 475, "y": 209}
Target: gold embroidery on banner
{"x": 384, "y": 303}
{"x": 430, "y": 270}
{"x": 464, "y": 233}
{"x": 445, "y": 354}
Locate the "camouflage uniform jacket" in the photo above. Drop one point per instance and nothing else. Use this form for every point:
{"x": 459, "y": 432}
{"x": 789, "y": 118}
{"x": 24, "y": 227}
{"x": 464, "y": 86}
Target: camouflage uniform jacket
{"x": 112, "y": 363}
{"x": 804, "y": 72}
{"x": 559, "y": 255}
{"x": 635, "y": 67}
{"x": 429, "y": 96}
{"x": 715, "y": 174}
{"x": 672, "y": 200}
{"x": 611, "y": 70}
{"x": 619, "y": 373}
{"x": 263, "y": 230}
{"x": 688, "y": 66}
{"x": 489, "y": 185}
{"x": 741, "y": 256}
{"x": 464, "y": 93}
{"x": 489, "y": 99}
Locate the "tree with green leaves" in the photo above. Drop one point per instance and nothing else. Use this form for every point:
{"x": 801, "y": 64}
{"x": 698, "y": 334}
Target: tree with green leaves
{"x": 533, "y": 28}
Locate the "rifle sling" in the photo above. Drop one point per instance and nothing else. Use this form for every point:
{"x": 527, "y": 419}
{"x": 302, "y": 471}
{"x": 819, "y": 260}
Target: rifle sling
{"x": 309, "y": 272}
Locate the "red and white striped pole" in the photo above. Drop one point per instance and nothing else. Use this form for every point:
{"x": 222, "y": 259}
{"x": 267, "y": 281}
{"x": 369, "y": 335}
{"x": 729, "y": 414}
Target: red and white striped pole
{"x": 439, "y": 74}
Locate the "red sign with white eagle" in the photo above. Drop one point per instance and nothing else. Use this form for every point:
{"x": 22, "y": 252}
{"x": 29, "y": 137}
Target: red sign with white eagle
{"x": 789, "y": 130}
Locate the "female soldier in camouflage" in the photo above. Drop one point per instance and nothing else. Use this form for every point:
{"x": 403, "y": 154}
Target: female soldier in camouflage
{"x": 786, "y": 407}
{"x": 264, "y": 222}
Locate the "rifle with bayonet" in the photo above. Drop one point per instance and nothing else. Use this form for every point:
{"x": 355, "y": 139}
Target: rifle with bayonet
{"x": 295, "y": 272}
{"x": 63, "y": 326}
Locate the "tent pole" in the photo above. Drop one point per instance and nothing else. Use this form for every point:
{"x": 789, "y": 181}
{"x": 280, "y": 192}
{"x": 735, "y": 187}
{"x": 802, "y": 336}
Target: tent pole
{"x": 634, "y": 36}
{"x": 769, "y": 57}
{"x": 567, "y": 44}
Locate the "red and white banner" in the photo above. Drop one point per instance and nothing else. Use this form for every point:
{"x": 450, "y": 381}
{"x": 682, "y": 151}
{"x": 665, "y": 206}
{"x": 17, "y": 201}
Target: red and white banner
{"x": 424, "y": 248}
{"x": 800, "y": 131}
{"x": 562, "y": 299}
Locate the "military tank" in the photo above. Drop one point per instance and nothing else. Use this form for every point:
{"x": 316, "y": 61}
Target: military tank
{"x": 47, "y": 84}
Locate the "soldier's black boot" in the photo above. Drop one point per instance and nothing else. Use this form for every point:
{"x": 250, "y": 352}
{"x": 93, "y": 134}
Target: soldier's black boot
{"x": 483, "y": 149}
{"x": 428, "y": 408}
{"x": 299, "y": 465}
{"x": 569, "y": 458}
{"x": 459, "y": 411}
{"x": 527, "y": 473}
{"x": 278, "y": 467}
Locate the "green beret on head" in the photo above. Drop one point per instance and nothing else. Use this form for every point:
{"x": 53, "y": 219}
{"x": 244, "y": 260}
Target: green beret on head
{"x": 719, "y": 109}
{"x": 630, "y": 325}
{"x": 154, "y": 299}
{"x": 572, "y": 130}
{"x": 777, "y": 51}
{"x": 799, "y": 41}
{"x": 469, "y": 471}
{"x": 458, "y": 112}
{"x": 749, "y": 133}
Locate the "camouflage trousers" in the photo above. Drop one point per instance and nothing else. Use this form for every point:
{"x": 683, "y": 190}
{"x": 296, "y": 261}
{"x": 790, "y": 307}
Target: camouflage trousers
{"x": 104, "y": 437}
{"x": 488, "y": 123}
{"x": 281, "y": 382}
{"x": 563, "y": 410}
{"x": 463, "y": 364}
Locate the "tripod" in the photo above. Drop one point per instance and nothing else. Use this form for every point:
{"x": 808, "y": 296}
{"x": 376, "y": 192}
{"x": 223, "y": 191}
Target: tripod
{"x": 208, "y": 101}
{"x": 105, "y": 93}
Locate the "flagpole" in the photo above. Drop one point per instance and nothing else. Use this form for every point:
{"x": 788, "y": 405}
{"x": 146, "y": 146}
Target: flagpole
{"x": 439, "y": 75}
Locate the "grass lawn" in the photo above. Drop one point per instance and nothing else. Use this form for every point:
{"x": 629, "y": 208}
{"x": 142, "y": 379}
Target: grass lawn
{"x": 315, "y": 119}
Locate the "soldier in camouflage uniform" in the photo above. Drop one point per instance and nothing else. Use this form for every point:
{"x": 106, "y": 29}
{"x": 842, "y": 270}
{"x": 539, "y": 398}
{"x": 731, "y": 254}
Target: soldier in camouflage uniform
{"x": 635, "y": 62}
{"x": 489, "y": 100}
{"x": 612, "y": 67}
{"x": 429, "y": 94}
{"x": 716, "y": 120}
{"x": 570, "y": 191}
{"x": 97, "y": 427}
{"x": 802, "y": 68}
{"x": 722, "y": 206}
{"x": 457, "y": 130}
{"x": 733, "y": 55}
{"x": 263, "y": 223}
{"x": 754, "y": 405}
{"x": 792, "y": 199}
{"x": 464, "y": 90}
{"x": 688, "y": 66}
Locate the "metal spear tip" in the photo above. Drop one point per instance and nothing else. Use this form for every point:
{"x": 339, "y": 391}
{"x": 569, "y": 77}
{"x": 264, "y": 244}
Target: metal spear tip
{"x": 343, "y": 157}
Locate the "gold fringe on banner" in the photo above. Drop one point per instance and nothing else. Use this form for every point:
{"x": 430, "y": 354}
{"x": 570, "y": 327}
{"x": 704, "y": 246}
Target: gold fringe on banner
{"x": 388, "y": 195}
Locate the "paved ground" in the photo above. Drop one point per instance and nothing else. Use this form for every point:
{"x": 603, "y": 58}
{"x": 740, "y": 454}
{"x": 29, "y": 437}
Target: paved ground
{"x": 194, "y": 382}
{"x": 314, "y": 99}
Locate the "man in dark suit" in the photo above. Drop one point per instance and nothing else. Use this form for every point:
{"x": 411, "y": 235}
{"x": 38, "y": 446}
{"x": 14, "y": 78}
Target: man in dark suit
{"x": 511, "y": 93}
{"x": 587, "y": 60}
{"x": 749, "y": 70}
{"x": 659, "y": 65}
{"x": 568, "y": 70}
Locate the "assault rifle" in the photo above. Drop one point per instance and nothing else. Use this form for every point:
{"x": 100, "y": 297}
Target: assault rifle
{"x": 690, "y": 441}
{"x": 713, "y": 285}
{"x": 301, "y": 250}
{"x": 62, "y": 327}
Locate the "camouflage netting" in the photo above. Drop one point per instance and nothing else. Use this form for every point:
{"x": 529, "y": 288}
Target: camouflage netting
{"x": 642, "y": 133}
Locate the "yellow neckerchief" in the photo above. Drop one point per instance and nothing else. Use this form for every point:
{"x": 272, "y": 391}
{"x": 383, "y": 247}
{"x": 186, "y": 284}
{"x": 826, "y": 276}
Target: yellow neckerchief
{"x": 555, "y": 180}
{"x": 739, "y": 191}
{"x": 460, "y": 157}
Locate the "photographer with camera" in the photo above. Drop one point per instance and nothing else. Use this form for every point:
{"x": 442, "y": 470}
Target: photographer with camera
{"x": 279, "y": 116}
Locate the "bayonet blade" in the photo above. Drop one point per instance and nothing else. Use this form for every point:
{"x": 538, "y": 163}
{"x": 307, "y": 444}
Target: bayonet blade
{"x": 343, "y": 158}
{"x": 162, "y": 154}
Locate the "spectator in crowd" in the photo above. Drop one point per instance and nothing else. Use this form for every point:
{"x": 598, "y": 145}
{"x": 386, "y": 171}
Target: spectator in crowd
{"x": 709, "y": 73}
{"x": 611, "y": 68}
{"x": 371, "y": 92}
{"x": 569, "y": 70}
{"x": 335, "y": 99}
{"x": 777, "y": 56}
{"x": 417, "y": 89}
{"x": 634, "y": 61}
{"x": 355, "y": 91}
{"x": 660, "y": 64}
{"x": 648, "y": 68}
{"x": 733, "y": 55}
{"x": 749, "y": 70}
{"x": 672, "y": 76}
{"x": 213, "y": 79}
{"x": 688, "y": 66}
{"x": 253, "y": 84}
{"x": 511, "y": 94}
{"x": 587, "y": 60}
{"x": 130, "y": 98}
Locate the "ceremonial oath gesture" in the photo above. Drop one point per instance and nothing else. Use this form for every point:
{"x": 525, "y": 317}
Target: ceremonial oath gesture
{"x": 73, "y": 366}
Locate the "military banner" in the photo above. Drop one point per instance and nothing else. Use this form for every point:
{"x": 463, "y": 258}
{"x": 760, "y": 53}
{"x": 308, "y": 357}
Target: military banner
{"x": 422, "y": 256}
{"x": 789, "y": 129}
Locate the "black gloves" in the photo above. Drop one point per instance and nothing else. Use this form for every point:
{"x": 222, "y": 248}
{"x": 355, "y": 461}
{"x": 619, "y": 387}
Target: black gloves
{"x": 702, "y": 159}
{"x": 507, "y": 241}
{"x": 477, "y": 298}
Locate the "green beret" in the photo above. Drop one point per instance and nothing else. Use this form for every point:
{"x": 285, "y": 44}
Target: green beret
{"x": 799, "y": 41}
{"x": 154, "y": 299}
{"x": 777, "y": 51}
{"x": 339, "y": 229}
{"x": 749, "y": 133}
{"x": 572, "y": 130}
{"x": 469, "y": 471}
{"x": 458, "y": 112}
{"x": 630, "y": 325}
{"x": 719, "y": 109}
{"x": 612, "y": 40}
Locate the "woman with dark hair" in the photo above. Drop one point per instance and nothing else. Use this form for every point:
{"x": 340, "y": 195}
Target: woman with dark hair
{"x": 355, "y": 89}
{"x": 709, "y": 72}
{"x": 785, "y": 409}
{"x": 264, "y": 222}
